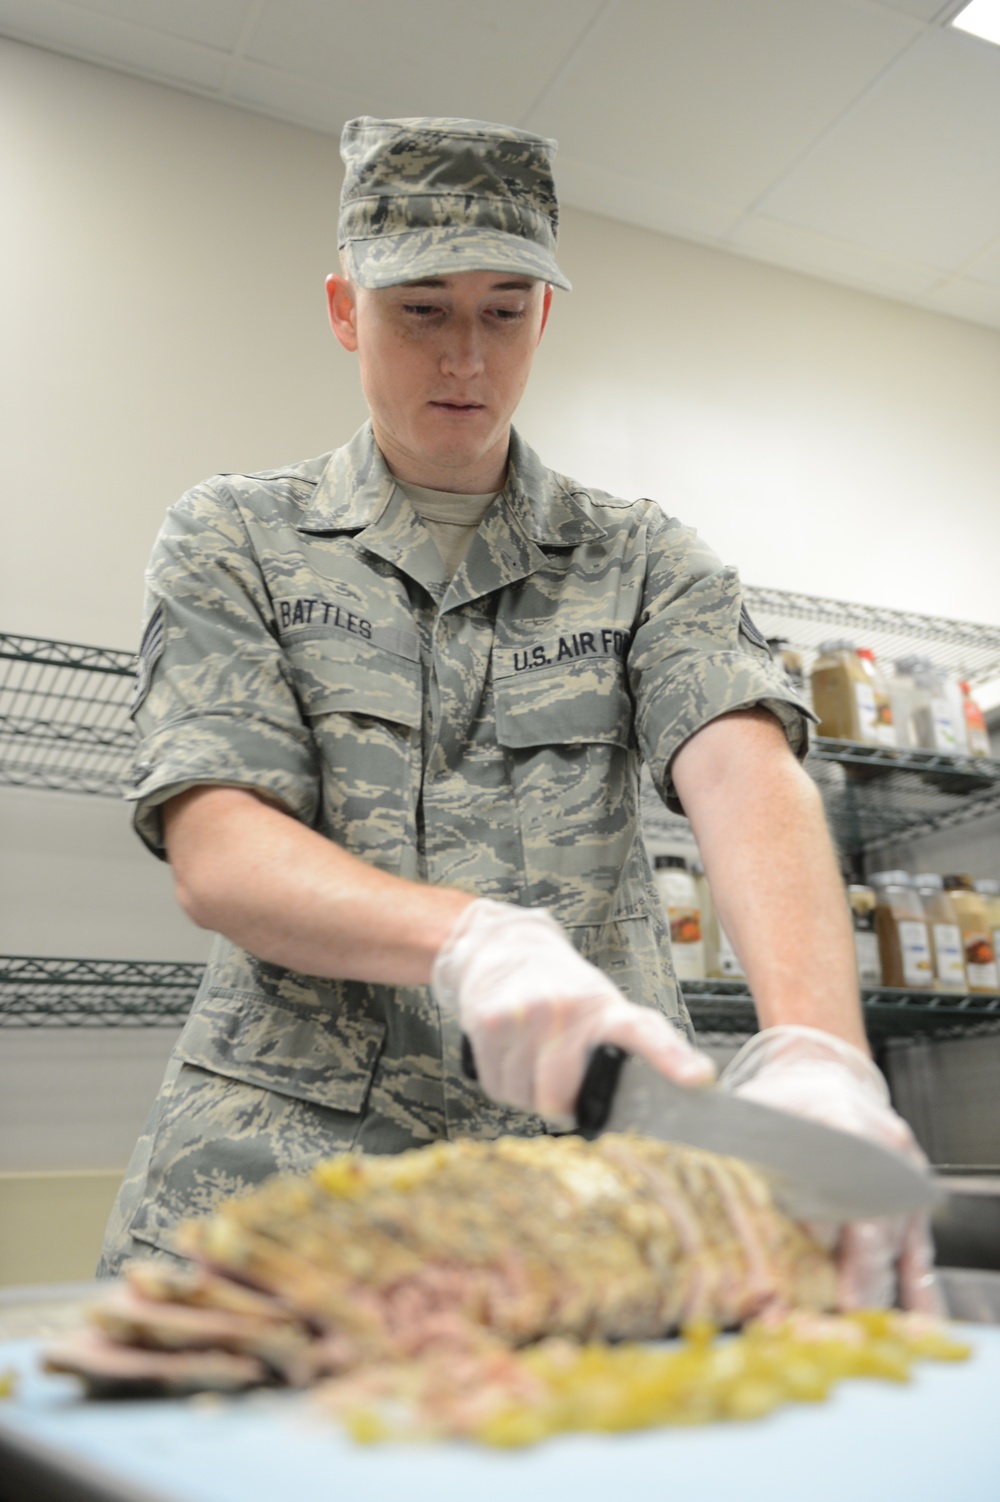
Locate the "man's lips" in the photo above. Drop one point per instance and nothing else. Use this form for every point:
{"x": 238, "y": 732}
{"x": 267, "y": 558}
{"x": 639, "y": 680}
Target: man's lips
{"x": 457, "y": 407}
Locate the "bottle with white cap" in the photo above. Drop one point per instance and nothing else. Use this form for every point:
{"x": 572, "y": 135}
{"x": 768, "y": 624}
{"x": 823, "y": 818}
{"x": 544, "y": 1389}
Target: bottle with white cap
{"x": 903, "y": 696}
{"x": 933, "y": 716}
{"x": 945, "y": 931}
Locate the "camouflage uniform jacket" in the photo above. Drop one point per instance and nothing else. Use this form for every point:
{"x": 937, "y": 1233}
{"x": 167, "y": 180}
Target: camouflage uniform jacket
{"x": 302, "y": 639}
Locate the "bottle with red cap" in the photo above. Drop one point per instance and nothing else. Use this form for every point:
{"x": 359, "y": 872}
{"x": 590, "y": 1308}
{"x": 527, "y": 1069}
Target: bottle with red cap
{"x": 977, "y": 735}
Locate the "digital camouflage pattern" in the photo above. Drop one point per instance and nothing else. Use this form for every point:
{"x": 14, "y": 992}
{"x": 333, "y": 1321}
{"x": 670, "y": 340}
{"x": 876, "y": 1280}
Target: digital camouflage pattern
{"x": 430, "y": 197}
{"x": 303, "y": 639}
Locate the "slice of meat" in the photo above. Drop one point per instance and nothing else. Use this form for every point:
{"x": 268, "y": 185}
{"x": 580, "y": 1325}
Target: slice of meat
{"x": 278, "y": 1340}
{"x": 110, "y": 1369}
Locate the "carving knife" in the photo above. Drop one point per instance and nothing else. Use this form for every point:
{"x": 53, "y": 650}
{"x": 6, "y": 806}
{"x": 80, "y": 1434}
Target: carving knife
{"x": 815, "y": 1172}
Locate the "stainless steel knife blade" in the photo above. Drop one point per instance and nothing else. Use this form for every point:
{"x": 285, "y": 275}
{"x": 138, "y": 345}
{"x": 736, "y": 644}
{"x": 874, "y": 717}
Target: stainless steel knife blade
{"x": 815, "y": 1172}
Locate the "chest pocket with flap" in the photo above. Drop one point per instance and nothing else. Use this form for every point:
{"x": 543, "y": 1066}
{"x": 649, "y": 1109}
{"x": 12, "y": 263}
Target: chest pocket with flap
{"x": 362, "y": 703}
{"x": 567, "y": 734}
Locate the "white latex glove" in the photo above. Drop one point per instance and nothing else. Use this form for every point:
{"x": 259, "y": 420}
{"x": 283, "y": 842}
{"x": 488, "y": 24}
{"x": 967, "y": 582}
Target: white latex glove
{"x": 533, "y": 1009}
{"x": 812, "y": 1073}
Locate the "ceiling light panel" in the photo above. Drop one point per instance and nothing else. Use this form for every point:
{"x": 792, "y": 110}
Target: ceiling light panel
{"x": 980, "y": 19}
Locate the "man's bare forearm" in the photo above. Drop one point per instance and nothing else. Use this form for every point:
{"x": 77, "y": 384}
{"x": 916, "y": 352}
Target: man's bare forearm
{"x": 759, "y": 822}
{"x": 246, "y": 869}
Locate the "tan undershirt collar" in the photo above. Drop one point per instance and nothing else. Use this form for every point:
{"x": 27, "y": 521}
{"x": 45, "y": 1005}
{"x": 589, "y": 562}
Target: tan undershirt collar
{"x": 452, "y": 520}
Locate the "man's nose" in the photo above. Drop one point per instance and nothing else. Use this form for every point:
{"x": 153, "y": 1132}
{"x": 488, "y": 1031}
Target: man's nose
{"x": 462, "y": 355}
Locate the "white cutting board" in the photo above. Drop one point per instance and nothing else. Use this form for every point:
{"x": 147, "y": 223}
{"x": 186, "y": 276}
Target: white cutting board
{"x": 935, "y": 1440}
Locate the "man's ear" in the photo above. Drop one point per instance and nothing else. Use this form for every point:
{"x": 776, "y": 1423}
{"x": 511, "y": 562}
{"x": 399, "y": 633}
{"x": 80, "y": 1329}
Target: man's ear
{"x": 342, "y": 310}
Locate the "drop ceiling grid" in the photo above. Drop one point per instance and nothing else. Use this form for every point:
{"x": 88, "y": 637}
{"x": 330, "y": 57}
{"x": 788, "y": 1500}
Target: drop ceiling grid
{"x": 446, "y": 58}
{"x": 916, "y": 162}
{"x": 720, "y": 100}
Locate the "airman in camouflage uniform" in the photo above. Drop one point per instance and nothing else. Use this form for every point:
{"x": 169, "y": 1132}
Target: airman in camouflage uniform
{"x": 483, "y": 731}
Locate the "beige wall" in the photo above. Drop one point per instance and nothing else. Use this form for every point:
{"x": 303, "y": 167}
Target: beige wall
{"x": 163, "y": 319}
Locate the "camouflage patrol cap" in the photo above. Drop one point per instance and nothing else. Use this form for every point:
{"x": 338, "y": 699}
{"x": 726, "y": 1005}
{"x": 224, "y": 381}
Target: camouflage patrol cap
{"x": 429, "y": 197}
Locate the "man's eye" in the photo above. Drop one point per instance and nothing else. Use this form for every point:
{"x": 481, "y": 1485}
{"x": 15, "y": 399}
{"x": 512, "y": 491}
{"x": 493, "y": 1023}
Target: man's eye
{"x": 420, "y": 309}
{"x": 508, "y": 315}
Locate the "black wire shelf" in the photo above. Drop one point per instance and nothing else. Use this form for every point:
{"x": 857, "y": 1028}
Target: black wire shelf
{"x": 966, "y": 649}
{"x": 726, "y": 1006}
{"x": 39, "y": 993}
{"x": 872, "y": 795}
{"x": 64, "y": 715}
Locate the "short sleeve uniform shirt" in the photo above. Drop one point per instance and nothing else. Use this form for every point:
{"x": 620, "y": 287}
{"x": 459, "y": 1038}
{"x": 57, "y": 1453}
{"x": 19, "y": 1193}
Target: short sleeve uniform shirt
{"x": 485, "y": 732}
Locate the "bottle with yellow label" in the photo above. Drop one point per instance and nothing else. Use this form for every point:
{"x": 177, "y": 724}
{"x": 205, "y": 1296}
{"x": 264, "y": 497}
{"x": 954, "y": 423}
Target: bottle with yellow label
{"x": 945, "y": 931}
{"x": 977, "y": 935}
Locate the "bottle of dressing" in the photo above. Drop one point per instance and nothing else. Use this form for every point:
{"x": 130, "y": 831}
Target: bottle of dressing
{"x": 977, "y": 935}
{"x": 679, "y": 896}
{"x": 989, "y": 891}
{"x": 884, "y": 728}
{"x": 976, "y": 734}
{"x": 903, "y": 937}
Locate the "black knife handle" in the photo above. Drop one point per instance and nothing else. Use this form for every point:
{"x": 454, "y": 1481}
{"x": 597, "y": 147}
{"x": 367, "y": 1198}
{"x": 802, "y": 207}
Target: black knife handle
{"x": 593, "y": 1104}
{"x": 597, "y": 1091}
{"x": 468, "y": 1060}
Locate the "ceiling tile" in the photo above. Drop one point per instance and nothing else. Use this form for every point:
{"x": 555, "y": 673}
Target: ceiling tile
{"x": 913, "y": 171}
{"x": 984, "y": 267}
{"x": 972, "y": 301}
{"x": 820, "y": 255}
{"x": 82, "y": 32}
{"x": 217, "y": 24}
{"x": 322, "y": 107}
{"x": 634, "y": 201}
{"x": 714, "y": 98}
{"x": 446, "y": 56}
{"x": 922, "y": 10}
